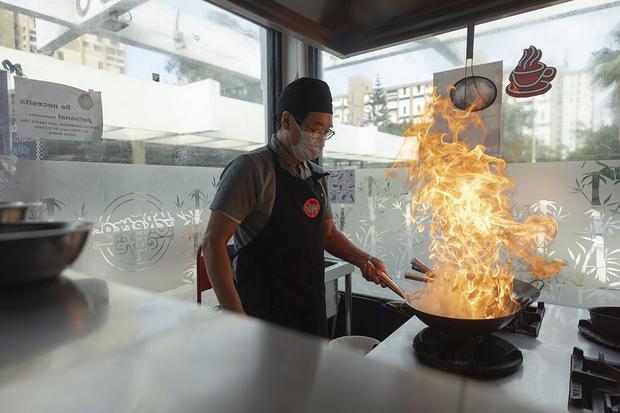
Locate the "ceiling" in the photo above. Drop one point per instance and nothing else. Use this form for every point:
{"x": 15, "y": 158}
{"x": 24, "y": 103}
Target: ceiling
{"x": 350, "y": 27}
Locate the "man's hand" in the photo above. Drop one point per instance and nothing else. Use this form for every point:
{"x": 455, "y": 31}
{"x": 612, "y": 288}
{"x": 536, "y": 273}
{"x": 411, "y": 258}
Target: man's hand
{"x": 371, "y": 269}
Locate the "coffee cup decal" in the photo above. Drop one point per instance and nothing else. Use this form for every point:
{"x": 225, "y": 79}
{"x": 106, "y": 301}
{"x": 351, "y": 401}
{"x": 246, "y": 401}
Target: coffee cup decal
{"x": 531, "y": 77}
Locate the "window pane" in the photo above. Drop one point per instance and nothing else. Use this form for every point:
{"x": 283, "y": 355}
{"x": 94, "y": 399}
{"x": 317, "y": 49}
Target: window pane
{"x": 181, "y": 89}
{"x": 207, "y": 62}
{"x": 378, "y": 94}
{"x": 576, "y": 119}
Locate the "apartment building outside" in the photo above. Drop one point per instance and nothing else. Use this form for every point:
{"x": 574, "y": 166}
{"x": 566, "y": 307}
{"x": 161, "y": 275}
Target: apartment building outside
{"x": 18, "y": 31}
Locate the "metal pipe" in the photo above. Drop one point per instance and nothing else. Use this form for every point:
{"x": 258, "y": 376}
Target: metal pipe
{"x": 348, "y": 303}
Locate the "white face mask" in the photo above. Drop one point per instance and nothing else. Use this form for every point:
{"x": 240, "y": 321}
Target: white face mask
{"x": 308, "y": 147}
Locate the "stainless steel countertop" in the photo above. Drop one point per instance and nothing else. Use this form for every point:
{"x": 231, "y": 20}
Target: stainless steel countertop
{"x": 84, "y": 345}
{"x": 542, "y": 380}
{"x": 337, "y": 269}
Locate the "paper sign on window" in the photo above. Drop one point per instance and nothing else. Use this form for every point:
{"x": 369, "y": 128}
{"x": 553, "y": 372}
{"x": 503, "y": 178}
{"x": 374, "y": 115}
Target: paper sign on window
{"x": 45, "y": 110}
{"x": 341, "y": 186}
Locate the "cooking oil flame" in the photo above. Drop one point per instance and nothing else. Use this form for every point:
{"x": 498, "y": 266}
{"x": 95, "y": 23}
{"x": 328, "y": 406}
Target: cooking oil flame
{"x": 474, "y": 238}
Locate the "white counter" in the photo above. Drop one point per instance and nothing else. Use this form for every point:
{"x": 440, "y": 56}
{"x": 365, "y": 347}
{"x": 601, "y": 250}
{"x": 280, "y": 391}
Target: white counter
{"x": 543, "y": 378}
{"x": 90, "y": 346}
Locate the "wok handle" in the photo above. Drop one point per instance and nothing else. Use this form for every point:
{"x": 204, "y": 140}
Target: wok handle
{"x": 529, "y": 300}
{"x": 401, "y": 308}
{"x": 524, "y": 304}
{"x": 542, "y": 284}
{"x": 391, "y": 284}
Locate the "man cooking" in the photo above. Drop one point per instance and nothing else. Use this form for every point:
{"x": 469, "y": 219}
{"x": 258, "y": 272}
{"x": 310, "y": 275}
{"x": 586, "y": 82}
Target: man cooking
{"x": 274, "y": 200}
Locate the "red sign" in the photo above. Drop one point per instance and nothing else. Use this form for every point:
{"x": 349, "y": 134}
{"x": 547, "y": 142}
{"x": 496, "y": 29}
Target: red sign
{"x": 312, "y": 207}
{"x": 531, "y": 77}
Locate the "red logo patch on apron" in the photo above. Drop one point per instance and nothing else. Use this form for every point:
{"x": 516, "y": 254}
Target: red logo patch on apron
{"x": 312, "y": 207}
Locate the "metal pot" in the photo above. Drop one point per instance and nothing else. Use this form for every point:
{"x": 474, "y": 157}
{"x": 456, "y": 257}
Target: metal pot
{"x": 606, "y": 321}
{"x": 35, "y": 251}
{"x": 15, "y": 211}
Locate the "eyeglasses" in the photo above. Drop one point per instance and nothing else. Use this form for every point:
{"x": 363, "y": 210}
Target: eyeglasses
{"x": 316, "y": 134}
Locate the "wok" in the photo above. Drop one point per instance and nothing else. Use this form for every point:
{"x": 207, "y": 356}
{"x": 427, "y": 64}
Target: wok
{"x": 524, "y": 293}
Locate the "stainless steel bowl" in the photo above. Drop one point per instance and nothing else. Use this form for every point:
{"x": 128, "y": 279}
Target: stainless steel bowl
{"x": 15, "y": 211}
{"x": 36, "y": 251}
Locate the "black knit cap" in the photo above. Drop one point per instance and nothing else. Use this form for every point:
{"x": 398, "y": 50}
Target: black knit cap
{"x": 305, "y": 95}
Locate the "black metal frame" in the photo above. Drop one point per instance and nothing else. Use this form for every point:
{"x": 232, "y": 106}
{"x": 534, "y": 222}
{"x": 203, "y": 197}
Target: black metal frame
{"x": 274, "y": 78}
{"x": 406, "y": 27}
{"x": 313, "y": 69}
{"x": 314, "y": 61}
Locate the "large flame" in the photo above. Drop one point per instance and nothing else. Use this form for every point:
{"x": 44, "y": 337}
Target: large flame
{"x": 474, "y": 237}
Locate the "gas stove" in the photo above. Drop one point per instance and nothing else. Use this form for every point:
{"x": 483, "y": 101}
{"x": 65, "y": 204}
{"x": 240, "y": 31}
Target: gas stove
{"x": 478, "y": 356}
{"x": 594, "y": 383}
{"x": 487, "y": 356}
{"x": 528, "y": 321}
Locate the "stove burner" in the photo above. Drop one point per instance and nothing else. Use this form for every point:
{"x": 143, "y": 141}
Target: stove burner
{"x": 479, "y": 356}
{"x": 586, "y": 330}
{"x": 528, "y": 321}
{"x": 594, "y": 383}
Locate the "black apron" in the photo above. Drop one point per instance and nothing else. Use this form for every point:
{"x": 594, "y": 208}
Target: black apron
{"x": 281, "y": 273}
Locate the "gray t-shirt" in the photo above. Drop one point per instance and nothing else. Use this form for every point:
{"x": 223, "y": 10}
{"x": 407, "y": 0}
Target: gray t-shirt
{"x": 247, "y": 188}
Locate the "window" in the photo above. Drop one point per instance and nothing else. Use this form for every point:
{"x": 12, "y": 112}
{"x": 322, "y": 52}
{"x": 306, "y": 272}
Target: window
{"x": 581, "y": 106}
{"x": 237, "y": 73}
{"x": 370, "y": 137}
{"x": 163, "y": 144}
{"x": 562, "y": 147}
